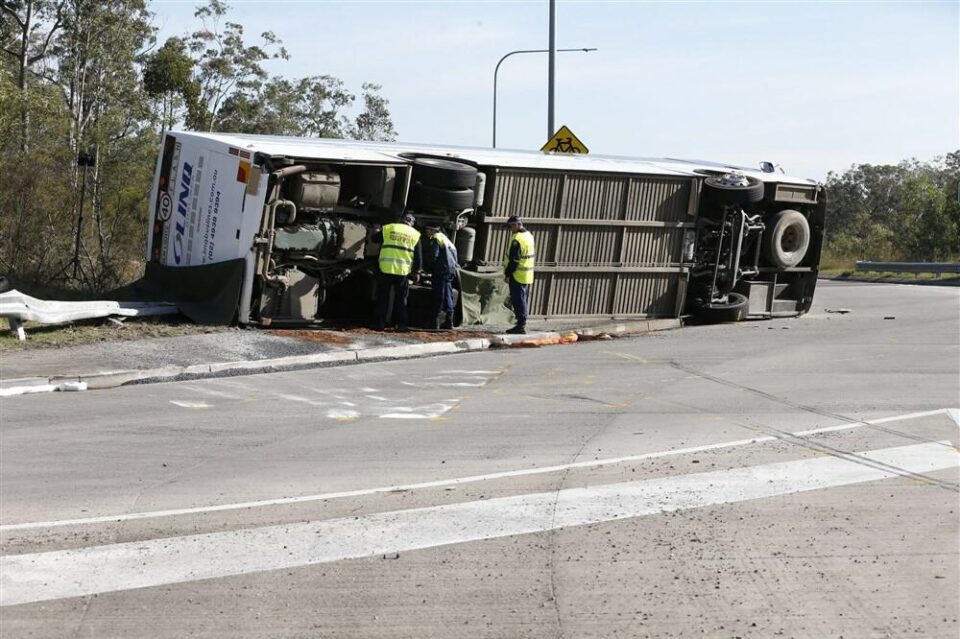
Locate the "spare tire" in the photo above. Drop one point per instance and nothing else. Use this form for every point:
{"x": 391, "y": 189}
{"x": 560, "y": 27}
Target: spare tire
{"x": 423, "y": 196}
{"x": 731, "y": 190}
{"x": 787, "y": 238}
{"x": 444, "y": 173}
{"x": 733, "y": 310}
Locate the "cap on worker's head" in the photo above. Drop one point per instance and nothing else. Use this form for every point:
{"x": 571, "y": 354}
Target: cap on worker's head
{"x": 408, "y": 219}
{"x": 431, "y": 227}
{"x": 514, "y": 219}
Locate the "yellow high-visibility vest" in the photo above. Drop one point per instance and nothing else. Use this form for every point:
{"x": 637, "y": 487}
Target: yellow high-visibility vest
{"x": 396, "y": 253}
{"x": 524, "y": 272}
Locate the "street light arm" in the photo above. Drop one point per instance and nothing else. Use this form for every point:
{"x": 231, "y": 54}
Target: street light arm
{"x": 496, "y": 70}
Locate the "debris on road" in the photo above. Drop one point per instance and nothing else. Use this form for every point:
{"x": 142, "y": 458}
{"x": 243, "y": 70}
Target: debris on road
{"x": 18, "y": 308}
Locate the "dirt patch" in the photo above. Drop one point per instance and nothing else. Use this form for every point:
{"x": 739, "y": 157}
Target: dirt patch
{"x": 98, "y": 330}
{"x": 347, "y": 335}
{"x": 420, "y": 336}
{"x": 324, "y": 337}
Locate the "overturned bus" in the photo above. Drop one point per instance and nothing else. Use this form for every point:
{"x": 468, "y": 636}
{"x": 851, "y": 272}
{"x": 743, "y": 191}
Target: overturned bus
{"x": 277, "y": 230}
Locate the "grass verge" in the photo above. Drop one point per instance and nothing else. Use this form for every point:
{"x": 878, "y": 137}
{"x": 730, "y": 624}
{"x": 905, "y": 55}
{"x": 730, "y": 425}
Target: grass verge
{"x": 99, "y": 330}
{"x": 948, "y": 279}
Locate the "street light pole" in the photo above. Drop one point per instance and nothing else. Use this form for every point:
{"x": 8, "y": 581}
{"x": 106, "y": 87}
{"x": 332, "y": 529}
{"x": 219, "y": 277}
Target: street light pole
{"x": 551, "y": 73}
{"x": 496, "y": 70}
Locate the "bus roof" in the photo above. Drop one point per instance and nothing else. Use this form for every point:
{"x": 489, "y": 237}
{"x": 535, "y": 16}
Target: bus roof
{"x": 358, "y": 151}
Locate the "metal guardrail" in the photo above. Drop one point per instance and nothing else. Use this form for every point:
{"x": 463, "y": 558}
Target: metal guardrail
{"x": 909, "y": 267}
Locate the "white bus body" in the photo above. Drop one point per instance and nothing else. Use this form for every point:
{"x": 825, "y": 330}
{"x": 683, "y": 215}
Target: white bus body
{"x": 617, "y": 237}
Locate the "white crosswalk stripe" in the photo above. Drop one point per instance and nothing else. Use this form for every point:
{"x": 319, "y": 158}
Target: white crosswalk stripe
{"x": 70, "y": 573}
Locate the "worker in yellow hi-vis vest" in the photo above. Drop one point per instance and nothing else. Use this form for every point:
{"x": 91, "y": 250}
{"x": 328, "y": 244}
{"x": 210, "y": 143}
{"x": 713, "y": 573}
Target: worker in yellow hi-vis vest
{"x": 518, "y": 270}
{"x": 399, "y": 258}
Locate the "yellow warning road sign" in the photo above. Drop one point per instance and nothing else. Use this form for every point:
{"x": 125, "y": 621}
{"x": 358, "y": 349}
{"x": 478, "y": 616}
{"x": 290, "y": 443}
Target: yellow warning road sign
{"x": 564, "y": 141}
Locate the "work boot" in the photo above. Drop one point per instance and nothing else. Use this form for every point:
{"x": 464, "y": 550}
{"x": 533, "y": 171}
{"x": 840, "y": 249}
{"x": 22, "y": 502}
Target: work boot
{"x": 519, "y": 329}
{"x": 439, "y": 320}
{"x": 448, "y": 322}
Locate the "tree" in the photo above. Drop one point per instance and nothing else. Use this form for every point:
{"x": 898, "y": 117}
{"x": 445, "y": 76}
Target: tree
{"x": 80, "y": 76}
{"x": 26, "y": 33}
{"x": 225, "y": 63}
{"x": 907, "y": 211}
{"x": 231, "y": 91}
{"x": 306, "y": 107}
{"x": 374, "y": 123}
{"x": 168, "y": 75}
{"x": 97, "y": 68}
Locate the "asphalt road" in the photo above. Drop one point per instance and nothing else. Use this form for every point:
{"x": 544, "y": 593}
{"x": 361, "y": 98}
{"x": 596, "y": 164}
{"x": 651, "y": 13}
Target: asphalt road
{"x": 775, "y": 478}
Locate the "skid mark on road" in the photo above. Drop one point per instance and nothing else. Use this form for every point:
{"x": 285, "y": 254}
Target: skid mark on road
{"x": 36, "y": 577}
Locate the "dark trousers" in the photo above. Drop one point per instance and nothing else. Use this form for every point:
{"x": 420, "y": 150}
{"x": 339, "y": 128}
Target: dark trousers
{"x": 400, "y": 287}
{"x": 442, "y": 288}
{"x": 518, "y": 297}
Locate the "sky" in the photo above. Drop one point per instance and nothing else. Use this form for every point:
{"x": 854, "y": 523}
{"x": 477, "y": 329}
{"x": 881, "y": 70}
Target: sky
{"x": 812, "y": 86}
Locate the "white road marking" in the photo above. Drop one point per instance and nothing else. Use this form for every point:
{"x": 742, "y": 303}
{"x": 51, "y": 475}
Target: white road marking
{"x": 466, "y": 372}
{"x": 475, "y": 385}
{"x": 342, "y": 413}
{"x": 203, "y": 390}
{"x": 298, "y": 398}
{"x": 954, "y": 414}
{"x": 354, "y": 410}
{"x": 35, "y": 577}
{"x": 442, "y": 483}
{"x": 191, "y": 404}
{"x": 882, "y": 420}
{"x": 430, "y": 411}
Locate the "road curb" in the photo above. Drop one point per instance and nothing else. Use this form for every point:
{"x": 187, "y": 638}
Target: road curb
{"x": 112, "y": 379}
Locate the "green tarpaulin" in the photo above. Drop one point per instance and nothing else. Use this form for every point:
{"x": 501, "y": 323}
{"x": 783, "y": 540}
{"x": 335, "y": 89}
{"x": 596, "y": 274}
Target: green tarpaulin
{"x": 486, "y": 298}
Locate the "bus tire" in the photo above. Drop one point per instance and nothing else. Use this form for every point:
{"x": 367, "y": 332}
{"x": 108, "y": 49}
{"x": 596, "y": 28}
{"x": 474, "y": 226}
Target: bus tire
{"x": 733, "y": 310}
{"x": 444, "y": 173}
{"x": 717, "y": 193}
{"x": 427, "y": 197}
{"x": 787, "y": 238}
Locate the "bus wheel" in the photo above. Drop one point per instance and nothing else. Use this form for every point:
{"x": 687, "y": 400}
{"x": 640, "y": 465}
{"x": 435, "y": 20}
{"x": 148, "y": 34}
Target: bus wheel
{"x": 444, "y": 173}
{"x": 731, "y": 189}
{"x": 733, "y": 310}
{"x": 787, "y": 238}
{"x": 438, "y": 198}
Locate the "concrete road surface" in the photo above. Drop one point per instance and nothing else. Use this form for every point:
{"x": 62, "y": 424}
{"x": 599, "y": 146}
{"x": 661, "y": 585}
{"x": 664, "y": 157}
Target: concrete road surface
{"x": 790, "y": 478}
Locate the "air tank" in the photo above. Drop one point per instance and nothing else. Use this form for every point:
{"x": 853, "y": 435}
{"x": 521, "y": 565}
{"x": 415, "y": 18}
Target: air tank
{"x": 466, "y": 238}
